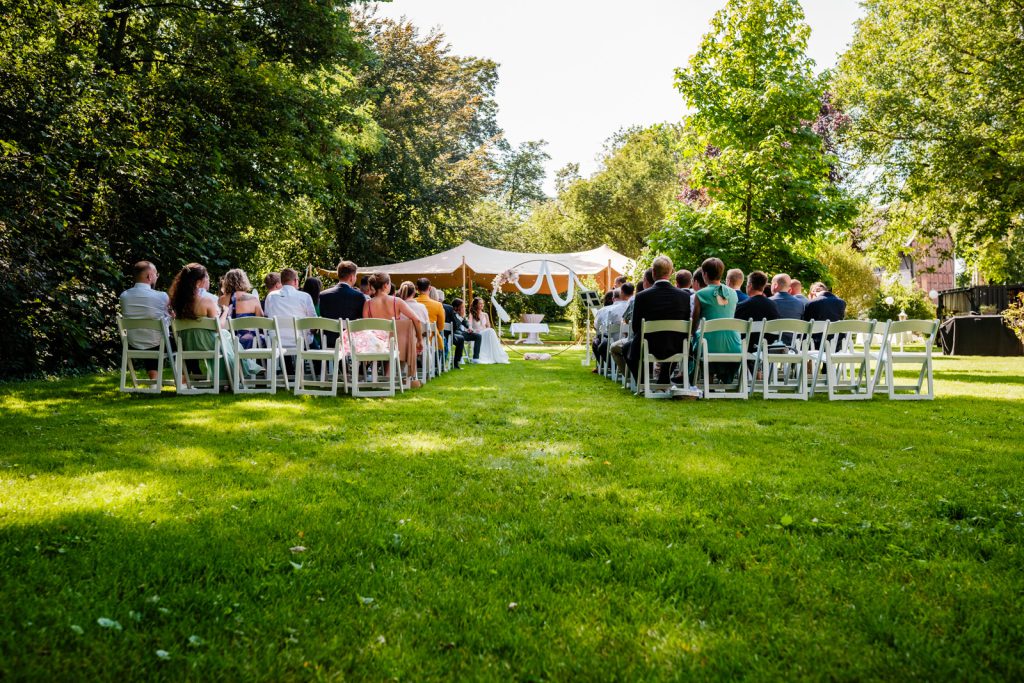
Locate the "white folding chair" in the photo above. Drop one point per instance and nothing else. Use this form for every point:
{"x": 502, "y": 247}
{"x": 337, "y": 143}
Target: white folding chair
{"x": 739, "y": 387}
{"x": 140, "y": 382}
{"x": 889, "y": 358}
{"x": 776, "y": 361}
{"x": 287, "y": 342}
{"x": 389, "y": 357}
{"x": 265, "y": 351}
{"x": 449, "y": 352}
{"x": 209, "y": 381}
{"x": 647, "y": 359}
{"x": 819, "y": 329}
{"x": 847, "y": 370}
{"x": 328, "y": 357}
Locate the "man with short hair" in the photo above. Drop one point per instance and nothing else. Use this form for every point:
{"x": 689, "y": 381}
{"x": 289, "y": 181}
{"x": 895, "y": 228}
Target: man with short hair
{"x": 824, "y": 306}
{"x": 287, "y": 303}
{"x": 796, "y": 288}
{"x": 787, "y": 304}
{"x": 608, "y": 320}
{"x": 435, "y": 311}
{"x": 734, "y": 280}
{"x": 142, "y": 301}
{"x": 757, "y": 307}
{"x": 271, "y": 283}
{"x": 661, "y": 302}
{"x": 619, "y": 281}
{"x": 343, "y": 301}
{"x": 684, "y": 279}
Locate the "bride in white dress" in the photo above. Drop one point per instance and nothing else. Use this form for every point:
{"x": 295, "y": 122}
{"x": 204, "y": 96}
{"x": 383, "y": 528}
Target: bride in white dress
{"x": 491, "y": 350}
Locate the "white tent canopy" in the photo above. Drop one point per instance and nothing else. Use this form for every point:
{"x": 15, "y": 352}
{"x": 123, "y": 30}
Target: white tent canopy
{"x": 469, "y": 264}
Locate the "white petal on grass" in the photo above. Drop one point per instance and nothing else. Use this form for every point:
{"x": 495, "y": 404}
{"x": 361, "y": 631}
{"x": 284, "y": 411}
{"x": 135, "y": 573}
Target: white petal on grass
{"x": 109, "y": 623}
{"x": 163, "y": 654}
{"x": 76, "y": 629}
{"x": 195, "y": 641}
{"x": 295, "y": 565}
{"x": 298, "y": 548}
{"x": 366, "y": 601}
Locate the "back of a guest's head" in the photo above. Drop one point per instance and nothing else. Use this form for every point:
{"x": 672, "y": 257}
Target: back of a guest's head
{"x": 289, "y": 276}
{"x": 346, "y": 269}
{"x": 819, "y": 288}
{"x": 272, "y": 281}
{"x": 435, "y": 294}
{"x": 699, "y": 282}
{"x": 648, "y": 278}
{"x": 407, "y": 291}
{"x": 423, "y": 284}
{"x": 620, "y": 280}
{"x": 795, "y": 287}
{"x": 712, "y": 269}
{"x": 627, "y": 290}
{"x": 683, "y": 278}
{"x": 457, "y": 303}
{"x": 312, "y": 286}
{"x": 734, "y": 278}
{"x": 182, "y": 294}
{"x": 235, "y": 280}
{"x": 141, "y": 270}
{"x": 662, "y": 267}
{"x": 756, "y": 282}
{"x": 364, "y": 282}
{"x": 780, "y": 283}
{"x": 609, "y": 297}
{"x": 378, "y": 282}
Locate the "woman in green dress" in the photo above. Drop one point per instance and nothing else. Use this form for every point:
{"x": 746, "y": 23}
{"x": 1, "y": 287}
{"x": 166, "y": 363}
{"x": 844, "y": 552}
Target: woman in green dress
{"x": 188, "y": 303}
{"x": 711, "y": 302}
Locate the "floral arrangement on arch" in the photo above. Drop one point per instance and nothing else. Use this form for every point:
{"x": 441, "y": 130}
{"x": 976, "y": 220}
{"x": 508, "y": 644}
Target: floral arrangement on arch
{"x": 503, "y": 278}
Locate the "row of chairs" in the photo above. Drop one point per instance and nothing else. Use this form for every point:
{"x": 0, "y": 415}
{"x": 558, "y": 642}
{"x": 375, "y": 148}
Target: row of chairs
{"x": 319, "y": 368}
{"x": 839, "y": 358}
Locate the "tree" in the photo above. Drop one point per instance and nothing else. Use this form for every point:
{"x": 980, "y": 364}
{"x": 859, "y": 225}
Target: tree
{"x": 935, "y": 88}
{"x": 853, "y": 279}
{"x": 521, "y": 175}
{"x": 760, "y": 158}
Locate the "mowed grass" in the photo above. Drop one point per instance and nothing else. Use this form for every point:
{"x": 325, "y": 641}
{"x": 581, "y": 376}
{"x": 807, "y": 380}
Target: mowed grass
{"x": 527, "y": 522}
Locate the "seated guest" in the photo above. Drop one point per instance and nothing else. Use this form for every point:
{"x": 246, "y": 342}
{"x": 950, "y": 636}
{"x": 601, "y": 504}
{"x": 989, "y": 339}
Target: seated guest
{"x": 796, "y": 288}
{"x": 142, "y": 301}
{"x": 288, "y": 303}
{"x": 462, "y": 332}
{"x": 734, "y": 278}
{"x": 435, "y": 310}
{"x": 386, "y": 307}
{"x": 364, "y": 286}
{"x": 271, "y": 283}
{"x": 619, "y": 281}
{"x": 187, "y": 303}
{"x": 343, "y": 301}
{"x": 661, "y": 302}
{"x": 824, "y": 305}
{"x": 407, "y": 293}
{"x": 757, "y": 307}
{"x": 698, "y": 280}
{"x": 449, "y": 319}
{"x": 240, "y": 303}
{"x": 684, "y": 279}
{"x": 787, "y": 304}
{"x": 609, "y": 319}
{"x": 312, "y": 286}
{"x": 716, "y": 301}
{"x": 618, "y": 349}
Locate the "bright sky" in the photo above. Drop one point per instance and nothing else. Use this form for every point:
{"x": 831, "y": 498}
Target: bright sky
{"x": 572, "y": 72}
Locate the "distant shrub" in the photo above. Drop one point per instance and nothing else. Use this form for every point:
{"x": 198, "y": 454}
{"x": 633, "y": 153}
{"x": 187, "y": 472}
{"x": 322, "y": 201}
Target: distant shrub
{"x": 906, "y": 298}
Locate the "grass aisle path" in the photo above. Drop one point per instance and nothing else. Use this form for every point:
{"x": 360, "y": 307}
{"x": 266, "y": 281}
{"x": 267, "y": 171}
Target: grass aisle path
{"x": 530, "y": 521}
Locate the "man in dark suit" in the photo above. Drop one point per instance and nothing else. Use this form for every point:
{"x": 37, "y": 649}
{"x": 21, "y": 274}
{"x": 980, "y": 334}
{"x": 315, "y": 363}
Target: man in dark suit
{"x": 824, "y": 305}
{"x": 344, "y": 301}
{"x": 757, "y": 307}
{"x": 461, "y": 333}
{"x": 789, "y": 306}
{"x": 663, "y": 301}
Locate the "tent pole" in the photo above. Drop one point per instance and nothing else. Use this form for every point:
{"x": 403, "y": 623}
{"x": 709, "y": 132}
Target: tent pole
{"x": 464, "y": 282}
{"x": 608, "y": 276}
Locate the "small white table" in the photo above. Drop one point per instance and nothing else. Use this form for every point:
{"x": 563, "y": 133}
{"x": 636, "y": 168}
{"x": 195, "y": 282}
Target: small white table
{"x": 532, "y": 330}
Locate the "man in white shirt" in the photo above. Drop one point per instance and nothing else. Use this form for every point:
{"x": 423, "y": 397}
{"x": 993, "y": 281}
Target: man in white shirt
{"x": 142, "y": 301}
{"x": 288, "y": 303}
{"x": 609, "y": 319}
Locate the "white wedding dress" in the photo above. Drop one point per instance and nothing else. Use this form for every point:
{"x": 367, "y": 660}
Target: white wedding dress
{"x": 491, "y": 350}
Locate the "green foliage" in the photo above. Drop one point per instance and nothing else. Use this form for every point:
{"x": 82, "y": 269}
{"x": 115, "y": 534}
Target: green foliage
{"x": 576, "y": 312}
{"x": 521, "y": 175}
{"x": 935, "y": 88}
{"x": 852, "y": 277}
{"x": 1002, "y": 261}
{"x": 1014, "y": 316}
{"x": 638, "y": 540}
{"x": 760, "y": 140}
{"x": 906, "y": 298}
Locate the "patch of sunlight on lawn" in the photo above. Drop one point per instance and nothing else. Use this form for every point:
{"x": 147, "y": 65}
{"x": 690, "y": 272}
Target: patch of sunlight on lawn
{"x": 52, "y": 497}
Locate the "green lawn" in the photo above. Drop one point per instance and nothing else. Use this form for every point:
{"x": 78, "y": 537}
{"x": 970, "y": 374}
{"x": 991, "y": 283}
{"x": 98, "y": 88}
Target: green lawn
{"x": 530, "y": 521}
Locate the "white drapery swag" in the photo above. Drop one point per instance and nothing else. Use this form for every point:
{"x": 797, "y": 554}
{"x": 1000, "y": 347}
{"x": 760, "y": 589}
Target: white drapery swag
{"x": 545, "y": 275}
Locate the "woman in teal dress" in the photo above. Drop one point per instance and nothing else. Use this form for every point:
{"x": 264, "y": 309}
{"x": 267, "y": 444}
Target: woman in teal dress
{"x": 711, "y": 302}
{"x": 188, "y": 304}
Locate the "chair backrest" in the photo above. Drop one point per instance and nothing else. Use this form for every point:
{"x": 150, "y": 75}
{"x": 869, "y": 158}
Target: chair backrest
{"x": 787, "y": 325}
{"x": 209, "y": 324}
{"x": 820, "y": 326}
{"x": 448, "y": 328}
{"x": 725, "y": 325}
{"x": 925, "y": 328}
{"x": 651, "y": 326}
{"x": 756, "y": 326}
{"x": 253, "y": 323}
{"x": 126, "y": 324}
{"x": 364, "y": 324}
{"x": 851, "y": 327}
{"x": 318, "y": 324}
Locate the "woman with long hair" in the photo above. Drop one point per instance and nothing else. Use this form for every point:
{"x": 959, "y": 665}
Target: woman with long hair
{"x": 313, "y": 286}
{"x": 186, "y": 303}
{"x": 407, "y": 293}
{"x": 711, "y": 302}
{"x": 238, "y": 299}
{"x": 491, "y": 351}
{"x": 383, "y": 306}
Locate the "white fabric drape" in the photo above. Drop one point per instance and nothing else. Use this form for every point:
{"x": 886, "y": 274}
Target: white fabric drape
{"x": 503, "y": 315}
{"x": 545, "y": 275}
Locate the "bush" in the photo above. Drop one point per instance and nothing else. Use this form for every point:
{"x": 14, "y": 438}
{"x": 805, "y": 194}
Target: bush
{"x": 853, "y": 278}
{"x": 1013, "y": 316}
{"x": 906, "y": 298}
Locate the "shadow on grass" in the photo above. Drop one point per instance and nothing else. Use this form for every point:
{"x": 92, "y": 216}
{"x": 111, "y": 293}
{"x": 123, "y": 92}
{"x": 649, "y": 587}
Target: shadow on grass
{"x": 978, "y": 378}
